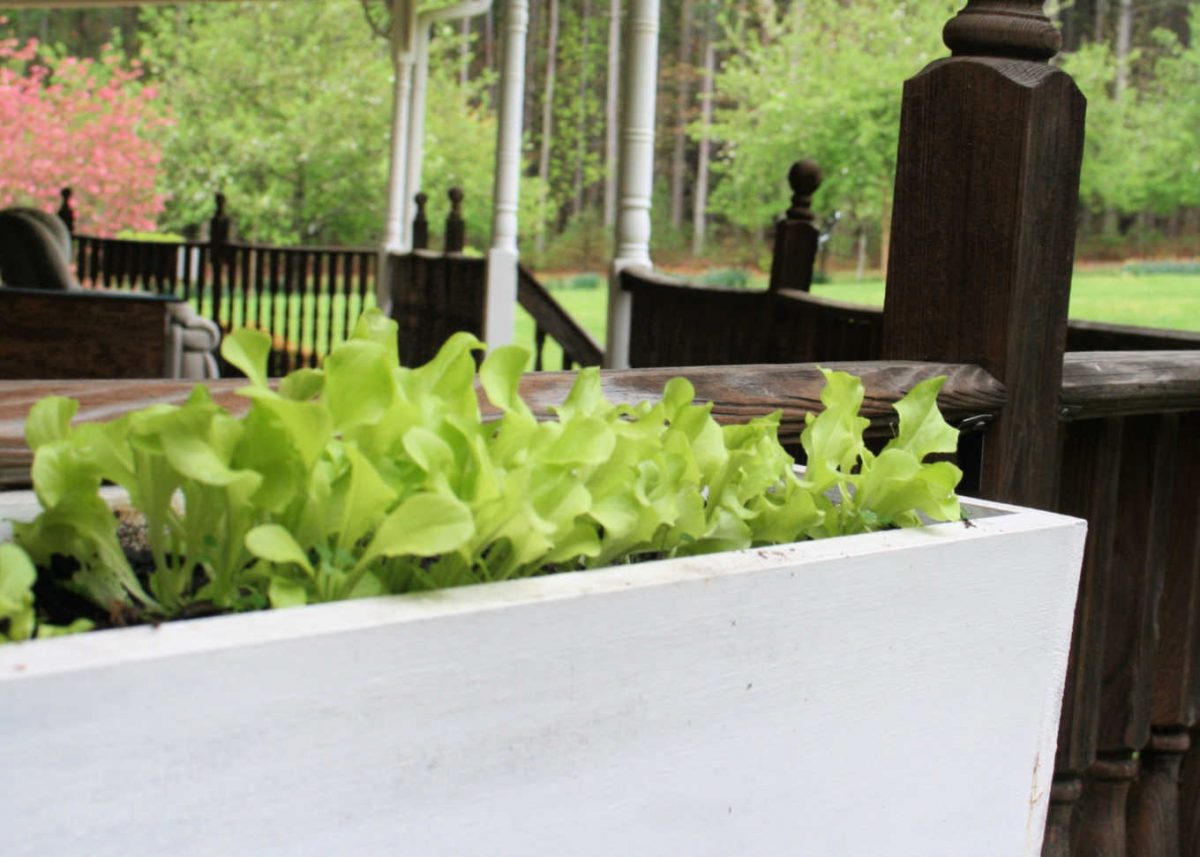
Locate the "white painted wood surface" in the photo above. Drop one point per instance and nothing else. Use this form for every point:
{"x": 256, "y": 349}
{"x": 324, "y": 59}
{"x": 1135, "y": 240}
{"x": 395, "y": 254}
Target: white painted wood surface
{"x": 886, "y": 695}
{"x": 635, "y": 169}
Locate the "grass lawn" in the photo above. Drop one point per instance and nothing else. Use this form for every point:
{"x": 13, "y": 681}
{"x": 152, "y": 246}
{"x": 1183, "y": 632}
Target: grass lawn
{"x": 1152, "y": 300}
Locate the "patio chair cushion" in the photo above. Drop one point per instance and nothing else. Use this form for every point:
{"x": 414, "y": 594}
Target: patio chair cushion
{"x": 194, "y": 343}
{"x": 33, "y": 254}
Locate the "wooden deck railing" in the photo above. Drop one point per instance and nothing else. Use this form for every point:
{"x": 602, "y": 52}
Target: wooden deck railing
{"x": 306, "y": 298}
{"x": 551, "y": 320}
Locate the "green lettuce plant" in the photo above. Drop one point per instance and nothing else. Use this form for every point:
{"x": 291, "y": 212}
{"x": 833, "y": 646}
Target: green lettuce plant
{"x": 364, "y": 478}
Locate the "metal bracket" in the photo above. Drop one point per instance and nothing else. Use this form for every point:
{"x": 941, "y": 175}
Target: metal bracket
{"x": 979, "y": 422}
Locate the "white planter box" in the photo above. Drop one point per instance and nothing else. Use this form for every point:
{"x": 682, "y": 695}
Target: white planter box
{"x": 885, "y": 695}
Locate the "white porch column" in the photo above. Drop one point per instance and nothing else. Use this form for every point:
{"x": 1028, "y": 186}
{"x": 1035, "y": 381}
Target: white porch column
{"x": 396, "y": 233}
{"x": 635, "y": 168}
{"x": 404, "y": 56}
{"x": 420, "y": 85}
{"x": 500, "y": 307}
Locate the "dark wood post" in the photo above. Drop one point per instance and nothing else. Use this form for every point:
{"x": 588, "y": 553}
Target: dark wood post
{"x": 796, "y": 234}
{"x": 983, "y": 229}
{"x": 456, "y": 227}
{"x": 65, "y": 212}
{"x": 420, "y": 224}
{"x": 218, "y": 226}
{"x": 218, "y": 241}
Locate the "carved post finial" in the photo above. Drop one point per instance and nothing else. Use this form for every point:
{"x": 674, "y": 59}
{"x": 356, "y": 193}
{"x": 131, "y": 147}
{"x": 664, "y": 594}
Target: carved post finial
{"x": 456, "y": 228}
{"x": 420, "y": 223}
{"x": 804, "y": 178}
{"x": 796, "y": 235}
{"x": 65, "y": 212}
{"x": 1016, "y": 29}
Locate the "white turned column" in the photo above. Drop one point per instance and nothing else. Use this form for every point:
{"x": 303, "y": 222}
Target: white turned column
{"x": 416, "y": 130}
{"x": 396, "y": 233}
{"x": 635, "y": 169}
{"x": 404, "y": 55}
{"x": 501, "y": 301}
{"x": 420, "y": 86}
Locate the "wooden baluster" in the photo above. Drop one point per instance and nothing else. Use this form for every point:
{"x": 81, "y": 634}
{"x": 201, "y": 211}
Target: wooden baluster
{"x": 87, "y": 259}
{"x": 66, "y": 212}
{"x": 330, "y": 295}
{"x": 366, "y": 263}
{"x": 796, "y": 234}
{"x": 1101, "y": 830}
{"x": 1155, "y": 803}
{"x": 1154, "y": 799}
{"x": 287, "y": 328}
{"x": 260, "y": 278}
{"x": 347, "y": 283}
{"x": 539, "y": 345}
{"x": 203, "y": 254}
{"x": 139, "y": 252}
{"x": 310, "y": 289}
{"x": 456, "y": 227}
{"x": 1189, "y": 799}
{"x": 273, "y": 308}
{"x": 244, "y": 254}
{"x": 983, "y": 228}
{"x": 1130, "y": 635}
{"x": 420, "y": 224}
{"x": 1090, "y": 489}
{"x": 218, "y": 240}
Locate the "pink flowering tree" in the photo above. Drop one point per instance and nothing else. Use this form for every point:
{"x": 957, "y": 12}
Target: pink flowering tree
{"x": 87, "y": 124}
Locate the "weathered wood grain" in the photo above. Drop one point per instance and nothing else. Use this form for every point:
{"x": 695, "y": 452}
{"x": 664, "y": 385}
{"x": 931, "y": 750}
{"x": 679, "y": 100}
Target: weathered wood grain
{"x": 1139, "y": 569}
{"x": 739, "y": 393}
{"x": 1089, "y": 489}
{"x": 434, "y": 296}
{"x": 1154, "y": 799}
{"x": 1177, "y": 662}
{"x": 1101, "y": 828}
{"x": 983, "y": 230}
{"x": 1098, "y": 384}
{"x": 83, "y": 334}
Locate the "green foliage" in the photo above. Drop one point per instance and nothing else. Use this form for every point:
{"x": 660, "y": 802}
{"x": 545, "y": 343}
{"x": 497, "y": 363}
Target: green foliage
{"x": 823, "y": 82}
{"x": 1173, "y": 267}
{"x": 726, "y": 278}
{"x": 366, "y": 478}
{"x": 1142, "y": 149}
{"x": 285, "y": 107}
{"x": 590, "y": 280}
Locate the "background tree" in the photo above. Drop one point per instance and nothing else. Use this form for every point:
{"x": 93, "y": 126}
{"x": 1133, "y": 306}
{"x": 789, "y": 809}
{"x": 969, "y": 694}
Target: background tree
{"x": 89, "y": 124}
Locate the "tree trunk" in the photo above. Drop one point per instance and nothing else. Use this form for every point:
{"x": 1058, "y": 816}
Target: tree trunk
{"x": 464, "y": 52}
{"x": 547, "y": 123}
{"x": 531, "y": 55}
{"x": 860, "y": 268}
{"x": 611, "y": 113}
{"x": 1120, "y": 84}
{"x": 489, "y": 55}
{"x": 1100, "y": 22}
{"x": 700, "y": 203}
{"x": 581, "y": 130}
{"x": 1124, "y": 47}
{"x": 683, "y": 97}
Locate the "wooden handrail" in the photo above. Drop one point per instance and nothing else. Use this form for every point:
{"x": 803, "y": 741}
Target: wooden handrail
{"x": 737, "y": 394}
{"x": 1127, "y": 383}
{"x": 577, "y": 344}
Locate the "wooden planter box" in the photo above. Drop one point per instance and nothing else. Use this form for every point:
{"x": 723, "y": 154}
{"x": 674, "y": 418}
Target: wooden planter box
{"x": 873, "y": 696}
